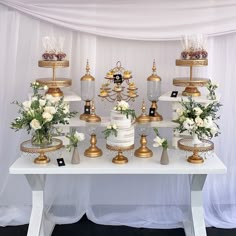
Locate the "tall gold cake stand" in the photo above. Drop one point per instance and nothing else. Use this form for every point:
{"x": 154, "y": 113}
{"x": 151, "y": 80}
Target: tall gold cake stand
{"x": 54, "y": 84}
{"x": 27, "y": 146}
{"x": 120, "y": 158}
{"x": 191, "y": 83}
{"x": 186, "y": 144}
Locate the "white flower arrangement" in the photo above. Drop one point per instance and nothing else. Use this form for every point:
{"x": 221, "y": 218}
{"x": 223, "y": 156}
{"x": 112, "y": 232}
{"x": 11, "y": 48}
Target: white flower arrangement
{"x": 111, "y": 129}
{"x": 74, "y": 137}
{"x": 158, "y": 141}
{"x": 123, "y": 108}
{"x": 40, "y": 113}
{"x": 199, "y": 119}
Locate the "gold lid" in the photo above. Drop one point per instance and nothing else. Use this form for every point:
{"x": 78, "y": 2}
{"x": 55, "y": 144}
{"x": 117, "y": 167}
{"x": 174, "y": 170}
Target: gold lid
{"x": 154, "y": 76}
{"x": 87, "y": 76}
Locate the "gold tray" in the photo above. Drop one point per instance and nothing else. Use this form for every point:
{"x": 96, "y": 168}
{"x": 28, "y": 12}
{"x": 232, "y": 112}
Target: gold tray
{"x": 58, "y": 83}
{"x": 182, "y": 81}
{"x": 200, "y": 62}
{"x": 51, "y": 64}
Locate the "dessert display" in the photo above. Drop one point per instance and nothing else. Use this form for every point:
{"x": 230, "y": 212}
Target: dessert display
{"x": 54, "y": 57}
{"x": 194, "y": 54}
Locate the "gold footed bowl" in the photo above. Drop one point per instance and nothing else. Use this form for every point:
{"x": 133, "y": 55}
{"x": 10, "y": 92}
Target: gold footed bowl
{"x": 186, "y": 144}
{"x": 27, "y": 146}
{"x": 120, "y": 158}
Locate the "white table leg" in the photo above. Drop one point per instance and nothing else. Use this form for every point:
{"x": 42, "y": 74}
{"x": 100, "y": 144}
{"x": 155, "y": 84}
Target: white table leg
{"x": 39, "y": 225}
{"x": 196, "y": 224}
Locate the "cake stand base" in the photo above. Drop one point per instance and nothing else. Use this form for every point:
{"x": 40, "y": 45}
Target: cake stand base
{"x": 120, "y": 158}
{"x": 191, "y": 91}
{"x": 55, "y": 92}
{"x": 195, "y": 159}
{"x": 41, "y": 159}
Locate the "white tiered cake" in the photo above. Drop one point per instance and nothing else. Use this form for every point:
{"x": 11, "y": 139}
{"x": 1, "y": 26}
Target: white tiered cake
{"x": 125, "y": 129}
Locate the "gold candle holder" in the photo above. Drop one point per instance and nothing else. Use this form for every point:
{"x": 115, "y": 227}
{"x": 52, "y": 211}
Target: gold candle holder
{"x": 143, "y": 151}
{"x": 93, "y": 151}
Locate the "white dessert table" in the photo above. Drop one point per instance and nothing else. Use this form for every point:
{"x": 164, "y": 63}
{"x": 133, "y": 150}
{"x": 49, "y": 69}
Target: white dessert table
{"x": 36, "y": 176}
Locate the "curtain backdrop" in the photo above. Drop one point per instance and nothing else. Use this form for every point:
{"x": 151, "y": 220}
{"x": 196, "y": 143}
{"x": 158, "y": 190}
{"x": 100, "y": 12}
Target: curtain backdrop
{"x": 135, "y": 19}
{"x": 161, "y": 199}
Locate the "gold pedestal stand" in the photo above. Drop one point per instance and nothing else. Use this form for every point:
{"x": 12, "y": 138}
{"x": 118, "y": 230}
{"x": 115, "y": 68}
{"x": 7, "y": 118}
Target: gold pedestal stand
{"x": 191, "y": 83}
{"x": 54, "y": 84}
{"x": 143, "y": 151}
{"x": 157, "y": 116}
{"x": 93, "y": 150}
{"x": 42, "y": 158}
{"x": 187, "y": 145}
{"x": 119, "y": 158}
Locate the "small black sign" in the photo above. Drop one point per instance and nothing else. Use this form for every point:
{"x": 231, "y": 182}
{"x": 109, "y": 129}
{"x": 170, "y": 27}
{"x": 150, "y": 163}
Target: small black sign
{"x": 118, "y": 79}
{"x": 60, "y": 162}
{"x": 152, "y": 111}
{"x": 86, "y": 109}
{"x": 174, "y": 94}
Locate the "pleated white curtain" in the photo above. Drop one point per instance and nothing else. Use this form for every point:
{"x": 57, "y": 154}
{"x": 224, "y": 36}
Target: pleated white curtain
{"x": 152, "y": 201}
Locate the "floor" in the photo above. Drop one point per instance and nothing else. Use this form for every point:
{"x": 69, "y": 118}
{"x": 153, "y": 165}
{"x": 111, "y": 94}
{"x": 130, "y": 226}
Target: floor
{"x": 87, "y": 228}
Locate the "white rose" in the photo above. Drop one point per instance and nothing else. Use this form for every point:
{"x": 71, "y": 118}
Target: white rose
{"x": 123, "y": 104}
{"x": 109, "y": 127}
{"x": 47, "y": 116}
{"x": 35, "y": 124}
{"x": 208, "y": 122}
{"x": 45, "y": 87}
{"x": 26, "y": 105}
{"x": 199, "y": 121}
{"x": 198, "y": 111}
{"x": 50, "y": 109}
{"x": 42, "y": 102}
{"x": 79, "y": 136}
{"x": 188, "y": 124}
{"x": 114, "y": 126}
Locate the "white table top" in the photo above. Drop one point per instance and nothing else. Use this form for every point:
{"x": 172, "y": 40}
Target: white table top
{"x": 103, "y": 165}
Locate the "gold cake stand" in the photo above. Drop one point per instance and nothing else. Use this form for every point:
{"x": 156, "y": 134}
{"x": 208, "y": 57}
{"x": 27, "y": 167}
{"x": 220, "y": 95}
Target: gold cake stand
{"x": 54, "y": 84}
{"x": 120, "y": 158}
{"x": 27, "y": 146}
{"x": 191, "y": 83}
{"x": 186, "y": 144}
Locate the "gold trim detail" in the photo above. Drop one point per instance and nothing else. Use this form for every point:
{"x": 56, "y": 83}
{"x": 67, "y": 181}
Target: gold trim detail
{"x": 51, "y": 64}
{"x": 60, "y": 82}
{"x": 186, "y": 82}
{"x": 182, "y": 62}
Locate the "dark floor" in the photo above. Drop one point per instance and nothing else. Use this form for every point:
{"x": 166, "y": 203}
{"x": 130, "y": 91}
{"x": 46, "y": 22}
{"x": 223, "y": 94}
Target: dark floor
{"x": 87, "y": 228}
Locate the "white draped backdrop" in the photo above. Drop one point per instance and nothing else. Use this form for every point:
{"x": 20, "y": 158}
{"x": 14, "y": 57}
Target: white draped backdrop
{"x": 134, "y": 32}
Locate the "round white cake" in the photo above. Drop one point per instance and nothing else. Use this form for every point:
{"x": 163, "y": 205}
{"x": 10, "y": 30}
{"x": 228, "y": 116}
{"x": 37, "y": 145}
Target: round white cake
{"x": 125, "y": 131}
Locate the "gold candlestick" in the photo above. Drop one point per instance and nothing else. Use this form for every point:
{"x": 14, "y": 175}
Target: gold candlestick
{"x": 93, "y": 150}
{"x": 143, "y": 151}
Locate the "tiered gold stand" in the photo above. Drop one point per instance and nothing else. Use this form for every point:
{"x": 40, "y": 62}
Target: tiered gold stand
{"x": 54, "y": 84}
{"x": 27, "y": 146}
{"x": 191, "y": 83}
{"x": 119, "y": 158}
{"x": 187, "y": 145}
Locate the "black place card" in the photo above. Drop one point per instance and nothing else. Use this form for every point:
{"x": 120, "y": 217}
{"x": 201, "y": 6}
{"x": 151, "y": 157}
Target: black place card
{"x": 174, "y": 94}
{"x": 117, "y": 78}
{"x": 86, "y": 109}
{"x": 152, "y": 111}
{"x": 60, "y": 162}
